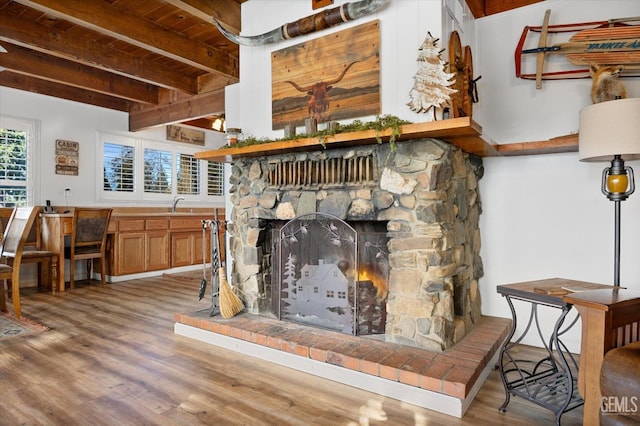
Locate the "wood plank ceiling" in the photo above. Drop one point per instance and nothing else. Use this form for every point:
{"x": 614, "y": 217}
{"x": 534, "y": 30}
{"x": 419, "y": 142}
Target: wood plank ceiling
{"x": 161, "y": 61}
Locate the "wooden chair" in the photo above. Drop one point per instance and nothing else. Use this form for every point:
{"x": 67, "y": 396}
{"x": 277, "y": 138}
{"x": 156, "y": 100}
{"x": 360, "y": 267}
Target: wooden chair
{"x": 88, "y": 240}
{"x": 33, "y": 253}
{"x": 14, "y": 239}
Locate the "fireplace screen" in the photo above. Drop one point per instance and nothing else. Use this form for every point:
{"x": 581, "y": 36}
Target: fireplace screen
{"x": 331, "y": 274}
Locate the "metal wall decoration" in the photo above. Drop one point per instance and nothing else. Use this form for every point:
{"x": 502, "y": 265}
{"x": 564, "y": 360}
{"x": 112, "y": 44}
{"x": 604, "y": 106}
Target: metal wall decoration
{"x": 309, "y": 24}
{"x": 330, "y": 78}
{"x": 67, "y": 157}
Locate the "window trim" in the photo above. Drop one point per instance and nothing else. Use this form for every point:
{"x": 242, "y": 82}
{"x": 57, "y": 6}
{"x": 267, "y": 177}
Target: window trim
{"x": 138, "y": 193}
{"x": 32, "y": 128}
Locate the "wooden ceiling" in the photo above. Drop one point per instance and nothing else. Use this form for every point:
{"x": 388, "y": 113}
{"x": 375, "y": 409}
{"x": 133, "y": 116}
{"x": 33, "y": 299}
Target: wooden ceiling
{"x": 162, "y": 61}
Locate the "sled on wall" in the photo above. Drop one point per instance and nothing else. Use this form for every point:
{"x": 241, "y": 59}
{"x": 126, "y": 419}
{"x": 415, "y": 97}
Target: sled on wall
{"x": 611, "y": 42}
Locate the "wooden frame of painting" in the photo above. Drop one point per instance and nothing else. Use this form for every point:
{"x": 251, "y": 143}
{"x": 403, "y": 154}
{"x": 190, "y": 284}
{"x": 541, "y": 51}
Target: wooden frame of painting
{"x": 300, "y": 75}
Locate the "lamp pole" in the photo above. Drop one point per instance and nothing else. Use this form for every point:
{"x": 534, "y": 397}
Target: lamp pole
{"x": 617, "y": 185}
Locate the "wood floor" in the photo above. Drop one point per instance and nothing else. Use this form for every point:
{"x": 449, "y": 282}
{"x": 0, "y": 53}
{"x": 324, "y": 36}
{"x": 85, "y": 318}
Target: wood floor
{"x": 111, "y": 358}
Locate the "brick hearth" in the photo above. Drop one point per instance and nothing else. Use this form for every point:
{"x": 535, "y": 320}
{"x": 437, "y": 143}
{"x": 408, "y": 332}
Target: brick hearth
{"x": 454, "y": 375}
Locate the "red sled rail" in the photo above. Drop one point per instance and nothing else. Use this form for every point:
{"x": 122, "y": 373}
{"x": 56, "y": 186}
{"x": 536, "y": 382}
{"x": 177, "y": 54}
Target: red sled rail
{"x": 612, "y": 42}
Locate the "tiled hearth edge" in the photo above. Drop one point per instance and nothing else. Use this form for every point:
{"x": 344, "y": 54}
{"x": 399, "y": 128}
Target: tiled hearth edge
{"x": 445, "y": 381}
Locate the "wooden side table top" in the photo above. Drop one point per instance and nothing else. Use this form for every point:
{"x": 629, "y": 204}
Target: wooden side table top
{"x": 550, "y": 290}
{"x": 604, "y": 300}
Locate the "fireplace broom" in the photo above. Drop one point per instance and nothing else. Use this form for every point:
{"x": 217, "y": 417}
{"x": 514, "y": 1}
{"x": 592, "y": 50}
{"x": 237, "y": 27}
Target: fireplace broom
{"x": 230, "y": 303}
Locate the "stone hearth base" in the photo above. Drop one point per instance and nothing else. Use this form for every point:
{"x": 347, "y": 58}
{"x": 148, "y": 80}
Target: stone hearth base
{"x": 445, "y": 381}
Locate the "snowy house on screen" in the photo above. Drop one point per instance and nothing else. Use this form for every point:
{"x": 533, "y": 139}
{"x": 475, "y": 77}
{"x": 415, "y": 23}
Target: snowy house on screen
{"x": 320, "y": 288}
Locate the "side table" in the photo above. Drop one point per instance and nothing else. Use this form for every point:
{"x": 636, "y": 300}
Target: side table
{"x": 610, "y": 319}
{"x": 550, "y": 382}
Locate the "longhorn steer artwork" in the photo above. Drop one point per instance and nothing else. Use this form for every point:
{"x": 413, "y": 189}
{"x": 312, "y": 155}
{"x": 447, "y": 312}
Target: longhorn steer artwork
{"x": 318, "y": 103}
{"x": 331, "y": 78}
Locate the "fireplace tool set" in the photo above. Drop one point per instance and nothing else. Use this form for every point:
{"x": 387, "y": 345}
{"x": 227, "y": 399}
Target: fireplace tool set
{"x": 223, "y": 299}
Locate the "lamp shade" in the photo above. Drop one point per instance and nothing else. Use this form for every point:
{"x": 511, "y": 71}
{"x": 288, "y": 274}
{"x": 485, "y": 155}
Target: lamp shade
{"x": 610, "y": 128}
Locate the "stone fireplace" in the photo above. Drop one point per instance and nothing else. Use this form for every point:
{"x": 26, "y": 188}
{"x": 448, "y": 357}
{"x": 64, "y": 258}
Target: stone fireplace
{"x": 425, "y": 195}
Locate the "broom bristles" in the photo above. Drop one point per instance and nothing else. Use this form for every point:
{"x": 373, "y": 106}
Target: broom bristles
{"x": 230, "y": 303}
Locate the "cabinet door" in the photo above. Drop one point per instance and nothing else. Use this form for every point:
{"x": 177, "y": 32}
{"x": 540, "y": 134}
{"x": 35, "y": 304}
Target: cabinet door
{"x": 130, "y": 253}
{"x": 181, "y": 249}
{"x": 157, "y": 250}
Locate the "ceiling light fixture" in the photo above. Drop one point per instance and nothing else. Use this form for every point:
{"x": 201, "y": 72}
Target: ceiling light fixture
{"x": 218, "y": 124}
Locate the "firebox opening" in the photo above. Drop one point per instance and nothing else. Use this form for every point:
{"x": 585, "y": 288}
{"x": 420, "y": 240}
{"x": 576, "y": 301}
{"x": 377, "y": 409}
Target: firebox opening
{"x": 328, "y": 273}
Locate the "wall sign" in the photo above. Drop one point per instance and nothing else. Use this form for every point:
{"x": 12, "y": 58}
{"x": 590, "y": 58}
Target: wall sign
{"x": 183, "y": 134}
{"x": 67, "y": 157}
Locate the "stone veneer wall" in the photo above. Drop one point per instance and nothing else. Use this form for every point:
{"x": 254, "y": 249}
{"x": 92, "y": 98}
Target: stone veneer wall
{"x": 427, "y": 193}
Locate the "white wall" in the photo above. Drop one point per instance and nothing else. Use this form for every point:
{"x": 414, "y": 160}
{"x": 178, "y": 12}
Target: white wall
{"x": 248, "y": 101}
{"x": 61, "y": 119}
{"x": 543, "y": 216}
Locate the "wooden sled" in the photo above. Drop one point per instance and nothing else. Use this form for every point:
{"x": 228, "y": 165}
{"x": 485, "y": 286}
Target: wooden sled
{"x": 612, "y": 42}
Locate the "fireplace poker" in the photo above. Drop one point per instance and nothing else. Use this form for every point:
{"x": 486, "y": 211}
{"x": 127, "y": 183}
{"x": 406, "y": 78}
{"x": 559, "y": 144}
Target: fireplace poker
{"x": 203, "y": 283}
{"x": 215, "y": 263}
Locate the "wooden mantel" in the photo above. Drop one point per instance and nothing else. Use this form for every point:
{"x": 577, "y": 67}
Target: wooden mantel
{"x": 462, "y": 132}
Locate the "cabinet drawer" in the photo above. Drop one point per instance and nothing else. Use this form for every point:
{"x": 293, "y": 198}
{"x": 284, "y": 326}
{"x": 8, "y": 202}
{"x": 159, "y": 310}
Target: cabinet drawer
{"x": 186, "y": 223}
{"x": 131, "y": 225}
{"x": 157, "y": 224}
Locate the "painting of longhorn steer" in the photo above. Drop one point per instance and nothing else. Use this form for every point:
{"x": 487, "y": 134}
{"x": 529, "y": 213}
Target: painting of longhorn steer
{"x": 335, "y": 77}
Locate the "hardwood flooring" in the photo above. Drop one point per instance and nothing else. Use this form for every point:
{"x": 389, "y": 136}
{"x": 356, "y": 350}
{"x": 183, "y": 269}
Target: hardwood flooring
{"x": 111, "y": 358}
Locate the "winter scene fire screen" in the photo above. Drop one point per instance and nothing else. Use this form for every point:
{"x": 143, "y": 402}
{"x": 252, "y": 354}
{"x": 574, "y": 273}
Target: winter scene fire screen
{"x": 332, "y": 274}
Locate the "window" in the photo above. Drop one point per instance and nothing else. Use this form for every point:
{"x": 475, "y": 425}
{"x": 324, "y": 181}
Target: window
{"x": 118, "y": 166}
{"x": 215, "y": 180}
{"x": 188, "y": 174}
{"x": 144, "y": 170}
{"x": 16, "y": 172}
{"x": 157, "y": 171}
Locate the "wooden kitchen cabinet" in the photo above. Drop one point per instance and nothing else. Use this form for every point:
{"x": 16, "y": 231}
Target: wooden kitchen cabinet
{"x": 157, "y": 250}
{"x": 128, "y": 253}
{"x": 141, "y": 245}
{"x": 186, "y": 247}
{"x": 182, "y": 248}
{"x": 153, "y": 243}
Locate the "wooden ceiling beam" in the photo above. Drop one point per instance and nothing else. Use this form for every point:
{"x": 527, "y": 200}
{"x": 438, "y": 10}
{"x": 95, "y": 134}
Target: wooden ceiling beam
{"x": 499, "y": 6}
{"x": 481, "y": 8}
{"x": 176, "y": 109}
{"x": 225, "y": 11}
{"x": 28, "y": 62}
{"x": 26, "y": 33}
{"x": 62, "y": 91}
{"x": 107, "y": 19}
{"x": 477, "y": 8}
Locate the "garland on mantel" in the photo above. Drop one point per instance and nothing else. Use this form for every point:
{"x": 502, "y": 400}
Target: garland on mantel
{"x": 381, "y": 123}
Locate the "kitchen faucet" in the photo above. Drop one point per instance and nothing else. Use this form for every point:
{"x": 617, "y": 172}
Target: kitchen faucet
{"x": 175, "y": 202}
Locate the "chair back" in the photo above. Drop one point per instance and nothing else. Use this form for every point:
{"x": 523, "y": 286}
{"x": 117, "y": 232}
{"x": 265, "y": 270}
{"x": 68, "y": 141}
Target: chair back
{"x": 90, "y": 228}
{"x": 5, "y": 215}
{"x": 17, "y": 231}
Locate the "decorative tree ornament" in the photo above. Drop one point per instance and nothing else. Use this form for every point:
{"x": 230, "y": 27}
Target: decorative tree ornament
{"x": 431, "y": 82}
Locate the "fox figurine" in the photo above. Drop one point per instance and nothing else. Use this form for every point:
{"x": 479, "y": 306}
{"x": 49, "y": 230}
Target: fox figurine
{"x": 606, "y": 85}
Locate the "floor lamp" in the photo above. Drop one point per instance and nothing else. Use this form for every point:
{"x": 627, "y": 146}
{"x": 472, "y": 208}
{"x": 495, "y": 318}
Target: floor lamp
{"x": 610, "y": 131}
